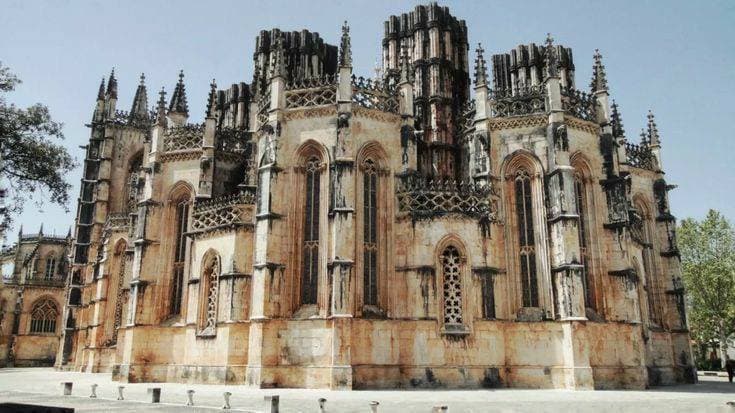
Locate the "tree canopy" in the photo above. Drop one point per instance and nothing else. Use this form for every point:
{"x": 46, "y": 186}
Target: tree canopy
{"x": 708, "y": 268}
{"x": 33, "y": 163}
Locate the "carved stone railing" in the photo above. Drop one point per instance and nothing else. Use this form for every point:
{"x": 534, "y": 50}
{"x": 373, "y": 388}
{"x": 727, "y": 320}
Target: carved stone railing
{"x": 40, "y": 281}
{"x": 225, "y": 212}
{"x": 117, "y": 222}
{"x": 121, "y": 117}
{"x": 425, "y": 199}
{"x": 374, "y": 95}
{"x": 311, "y": 92}
{"x": 183, "y": 138}
{"x": 526, "y": 100}
{"x": 233, "y": 140}
{"x": 640, "y": 156}
{"x": 579, "y": 104}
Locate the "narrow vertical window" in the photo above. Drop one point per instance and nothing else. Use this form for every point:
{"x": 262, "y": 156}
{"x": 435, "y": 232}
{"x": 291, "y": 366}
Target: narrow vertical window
{"x": 526, "y": 243}
{"x": 452, "y": 284}
{"x": 119, "y": 294}
{"x": 50, "y": 267}
{"x": 181, "y": 221}
{"x": 310, "y": 252}
{"x": 43, "y": 317}
{"x": 210, "y": 293}
{"x": 579, "y": 192}
{"x": 370, "y": 232}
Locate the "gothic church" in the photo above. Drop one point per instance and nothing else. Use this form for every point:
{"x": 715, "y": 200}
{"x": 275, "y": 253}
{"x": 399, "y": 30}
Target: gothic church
{"x": 320, "y": 229}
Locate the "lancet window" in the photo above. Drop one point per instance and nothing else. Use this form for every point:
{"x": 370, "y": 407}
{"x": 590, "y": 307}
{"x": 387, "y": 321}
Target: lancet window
{"x": 181, "y": 221}
{"x": 208, "y": 297}
{"x": 50, "y": 267}
{"x": 452, "y": 285}
{"x": 370, "y": 231}
{"x": 310, "y": 245}
{"x": 526, "y": 242}
{"x": 584, "y": 253}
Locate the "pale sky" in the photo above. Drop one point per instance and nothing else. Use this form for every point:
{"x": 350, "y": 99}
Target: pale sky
{"x": 675, "y": 57}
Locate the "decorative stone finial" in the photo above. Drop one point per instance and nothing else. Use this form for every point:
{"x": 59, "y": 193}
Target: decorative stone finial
{"x": 644, "y": 138}
{"x": 617, "y": 121}
{"x": 652, "y": 132}
{"x": 161, "y": 107}
{"x": 278, "y": 64}
{"x": 112, "y": 85}
{"x": 480, "y": 67}
{"x": 140, "y": 101}
{"x": 101, "y": 91}
{"x": 550, "y": 56}
{"x": 345, "y": 47}
{"x": 599, "y": 79}
{"x": 178, "y": 99}
{"x": 406, "y": 75}
{"x": 212, "y": 99}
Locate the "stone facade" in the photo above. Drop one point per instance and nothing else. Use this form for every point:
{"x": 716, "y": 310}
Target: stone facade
{"x": 32, "y": 297}
{"x": 324, "y": 230}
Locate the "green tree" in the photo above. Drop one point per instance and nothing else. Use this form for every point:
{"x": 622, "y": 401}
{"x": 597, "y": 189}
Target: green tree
{"x": 708, "y": 268}
{"x": 33, "y": 164}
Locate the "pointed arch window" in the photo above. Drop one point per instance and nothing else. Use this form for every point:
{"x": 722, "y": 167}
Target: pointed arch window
{"x": 43, "y": 317}
{"x": 526, "y": 241}
{"x": 452, "y": 286}
{"x": 181, "y": 221}
{"x": 584, "y": 253}
{"x": 209, "y": 297}
{"x": 310, "y": 246}
{"x": 50, "y": 267}
{"x": 370, "y": 232}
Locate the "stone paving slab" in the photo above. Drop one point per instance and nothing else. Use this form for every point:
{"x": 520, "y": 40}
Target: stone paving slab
{"x": 42, "y": 386}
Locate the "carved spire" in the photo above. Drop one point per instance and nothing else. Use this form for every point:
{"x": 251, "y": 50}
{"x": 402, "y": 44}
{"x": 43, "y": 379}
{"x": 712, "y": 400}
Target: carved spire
{"x": 112, "y": 85}
{"x": 551, "y": 59}
{"x": 644, "y": 138}
{"x": 599, "y": 79}
{"x": 101, "y": 91}
{"x": 480, "y": 67}
{"x": 652, "y": 132}
{"x": 178, "y": 99}
{"x": 617, "y": 121}
{"x": 406, "y": 73}
{"x": 161, "y": 107}
{"x": 212, "y": 100}
{"x": 345, "y": 47}
{"x": 140, "y": 102}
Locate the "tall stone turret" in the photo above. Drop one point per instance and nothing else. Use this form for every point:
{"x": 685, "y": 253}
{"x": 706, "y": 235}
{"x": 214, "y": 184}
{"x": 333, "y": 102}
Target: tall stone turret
{"x": 437, "y": 47}
{"x": 305, "y": 55}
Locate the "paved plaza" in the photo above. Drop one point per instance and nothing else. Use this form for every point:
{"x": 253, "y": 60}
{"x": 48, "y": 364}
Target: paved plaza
{"x": 42, "y": 386}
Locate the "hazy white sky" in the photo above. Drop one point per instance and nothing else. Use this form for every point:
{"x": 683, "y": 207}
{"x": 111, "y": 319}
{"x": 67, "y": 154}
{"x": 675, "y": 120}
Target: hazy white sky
{"x": 675, "y": 57}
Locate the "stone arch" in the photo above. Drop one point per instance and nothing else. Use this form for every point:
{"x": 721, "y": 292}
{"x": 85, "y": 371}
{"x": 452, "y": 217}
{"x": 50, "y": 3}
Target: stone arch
{"x": 44, "y": 315}
{"x": 209, "y": 273}
{"x": 584, "y": 192}
{"x": 178, "y": 213}
{"x": 310, "y": 189}
{"x": 527, "y": 254}
{"x": 373, "y": 196}
{"x": 644, "y": 232}
{"x": 452, "y": 265}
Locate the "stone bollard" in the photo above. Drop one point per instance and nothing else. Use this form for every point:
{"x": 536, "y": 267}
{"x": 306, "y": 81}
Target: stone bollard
{"x": 322, "y": 402}
{"x": 155, "y": 394}
{"x": 440, "y": 409}
{"x": 66, "y": 388}
{"x": 120, "y": 392}
{"x": 271, "y": 404}
{"x": 94, "y": 392}
{"x": 190, "y": 397}
{"x": 226, "y": 395}
{"x": 374, "y": 406}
